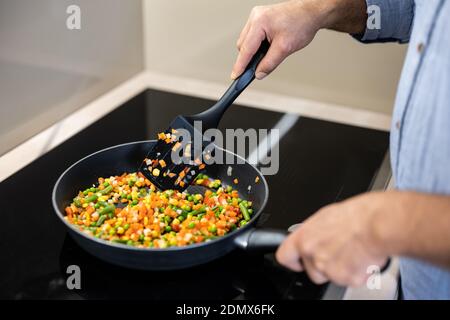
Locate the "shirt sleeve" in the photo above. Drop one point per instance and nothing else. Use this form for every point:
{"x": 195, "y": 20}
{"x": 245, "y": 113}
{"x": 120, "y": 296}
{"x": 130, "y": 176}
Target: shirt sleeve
{"x": 394, "y": 24}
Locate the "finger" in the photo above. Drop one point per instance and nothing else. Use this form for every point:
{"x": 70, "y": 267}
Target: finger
{"x": 314, "y": 274}
{"x": 243, "y": 34}
{"x": 287, "y": 255}
{"x": 276, "y": 54}
{"x": 244, "y": 31}
{"x": 249, "y": 47}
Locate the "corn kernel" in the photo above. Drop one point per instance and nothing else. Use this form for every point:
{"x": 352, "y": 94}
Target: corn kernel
{"x": 156, "y": 172}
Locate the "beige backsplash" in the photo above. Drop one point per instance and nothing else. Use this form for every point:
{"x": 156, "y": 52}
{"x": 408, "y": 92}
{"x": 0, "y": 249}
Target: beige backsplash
{"x": 197, "y": 39}
{"x": 48, "y": 71}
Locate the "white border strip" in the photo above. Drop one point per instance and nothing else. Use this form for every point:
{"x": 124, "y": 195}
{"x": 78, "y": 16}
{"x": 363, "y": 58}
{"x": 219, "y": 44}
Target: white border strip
{"x": 51, "y": 137}
{"x": 275, "y": 102}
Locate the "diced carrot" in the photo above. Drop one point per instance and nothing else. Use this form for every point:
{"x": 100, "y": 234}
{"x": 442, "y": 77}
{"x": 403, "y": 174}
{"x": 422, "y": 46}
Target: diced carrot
{"x": 69, "y": 212}
{"x": 162, "y": 163}
{"x": 176, "y": 146}
{"x": 161, "y": 136}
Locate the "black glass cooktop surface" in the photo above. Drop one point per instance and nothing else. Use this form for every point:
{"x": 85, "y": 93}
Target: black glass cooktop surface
{"x": 320, "y": 162}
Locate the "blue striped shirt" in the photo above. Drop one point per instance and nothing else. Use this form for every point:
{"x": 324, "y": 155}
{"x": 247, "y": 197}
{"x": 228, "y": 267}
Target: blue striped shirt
{"x": 420, "y": 134}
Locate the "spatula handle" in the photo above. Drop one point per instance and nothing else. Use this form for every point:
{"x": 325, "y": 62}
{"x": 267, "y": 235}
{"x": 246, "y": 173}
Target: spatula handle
{"x": 212, "y": 116}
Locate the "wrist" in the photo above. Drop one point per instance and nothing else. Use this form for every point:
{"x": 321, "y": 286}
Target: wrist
{"x": 341, "y": 15}
{"x": 390, "y": 223}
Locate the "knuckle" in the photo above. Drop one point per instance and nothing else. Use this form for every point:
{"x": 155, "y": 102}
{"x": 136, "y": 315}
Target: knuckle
{"x": 285, "y": 46}
{"x": 259, "y": 13}
{"x": 305, "y": 247}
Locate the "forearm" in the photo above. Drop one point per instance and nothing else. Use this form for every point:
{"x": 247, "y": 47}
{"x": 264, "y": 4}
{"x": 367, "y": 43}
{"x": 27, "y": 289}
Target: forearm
{"x": 348, "y": 16}
{"x": 415, "y": 225}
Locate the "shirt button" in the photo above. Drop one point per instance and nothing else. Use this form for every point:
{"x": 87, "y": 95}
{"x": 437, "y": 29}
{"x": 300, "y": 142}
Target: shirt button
{"x": 420, "y": 47}
{"x": 398, "y": 125}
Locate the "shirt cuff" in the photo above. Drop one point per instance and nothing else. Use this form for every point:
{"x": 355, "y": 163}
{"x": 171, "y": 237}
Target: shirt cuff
{"x": 395, "y": 21}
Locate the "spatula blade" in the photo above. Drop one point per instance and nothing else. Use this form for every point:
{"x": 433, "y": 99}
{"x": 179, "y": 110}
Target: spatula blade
{"x": 162, "y": 164}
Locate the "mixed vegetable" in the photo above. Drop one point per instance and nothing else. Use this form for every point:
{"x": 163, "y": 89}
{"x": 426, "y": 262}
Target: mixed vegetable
{"x": 129, "y": 209}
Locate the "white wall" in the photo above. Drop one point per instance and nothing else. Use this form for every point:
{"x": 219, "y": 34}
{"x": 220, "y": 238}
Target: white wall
{"x": 48, "y": 71}
{"x": 196, "y": 38}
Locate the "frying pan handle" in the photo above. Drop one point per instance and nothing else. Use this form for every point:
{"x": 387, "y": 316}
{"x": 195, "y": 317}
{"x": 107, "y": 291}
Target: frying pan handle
{"x": 268, "y": 240}
{"x": 261, "y": 240}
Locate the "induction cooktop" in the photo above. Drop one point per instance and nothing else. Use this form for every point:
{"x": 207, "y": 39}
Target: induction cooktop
{"x": 320, "y": 162}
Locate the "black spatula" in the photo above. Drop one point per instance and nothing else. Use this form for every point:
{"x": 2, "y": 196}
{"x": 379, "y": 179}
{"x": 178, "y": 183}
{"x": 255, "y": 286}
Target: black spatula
{"x": 159, "y": 166}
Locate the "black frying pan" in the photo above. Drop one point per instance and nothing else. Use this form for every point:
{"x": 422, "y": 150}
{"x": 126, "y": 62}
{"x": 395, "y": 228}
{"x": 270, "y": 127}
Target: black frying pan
{"x": 127, "y": 158}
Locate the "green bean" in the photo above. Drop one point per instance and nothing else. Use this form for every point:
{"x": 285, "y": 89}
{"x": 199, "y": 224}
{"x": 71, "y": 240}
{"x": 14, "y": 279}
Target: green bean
{"x": 244, "y": 211}
{"x": 107, "y": 190}
{"x": 106, "y": 184}
{"x": 168, "y": 229}
{"x": 167, "y": 219}
{"x": 250, "y": 211}
{"x": 101, "y": 220}
{"x": 107, "y": 209}
{"x": 130, "y": 242}
{"x": 91, "y": 198}
{"x": 242, "y": 223}
{"x": 135, "y": 202}
{"x": 120, "y": 241}
{"x": 191, "y": 225}
{"x": 93, "y": 189}
{"x": 97, "y": 206}
{"x": 77, "y": 202}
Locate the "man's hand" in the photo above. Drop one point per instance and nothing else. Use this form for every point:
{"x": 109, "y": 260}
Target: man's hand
{"x": 338, "y": 243}
{"x": 341, "y": 240}
{"x": 291, "y": 26}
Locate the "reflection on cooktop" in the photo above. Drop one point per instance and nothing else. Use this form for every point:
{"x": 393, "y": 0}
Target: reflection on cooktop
{"x": 235, "y": 276}
{"x": 320, "y": 162}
